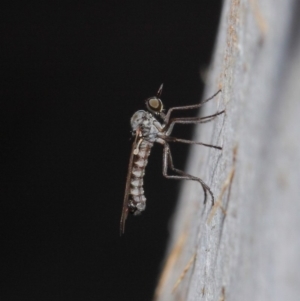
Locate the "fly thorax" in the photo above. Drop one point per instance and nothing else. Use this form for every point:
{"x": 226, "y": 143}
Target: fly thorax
{"x": 145, "y": 122}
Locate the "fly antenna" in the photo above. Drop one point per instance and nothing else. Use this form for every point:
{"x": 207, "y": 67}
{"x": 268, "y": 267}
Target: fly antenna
{"x": 159, "y": 90}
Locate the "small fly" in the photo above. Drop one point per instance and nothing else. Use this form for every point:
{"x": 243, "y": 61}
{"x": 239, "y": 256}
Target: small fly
{"x": 148, "y": 128}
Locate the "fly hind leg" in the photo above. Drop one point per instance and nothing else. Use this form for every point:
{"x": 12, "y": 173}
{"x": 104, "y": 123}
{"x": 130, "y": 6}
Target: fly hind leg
{"x": 168, "y": 163}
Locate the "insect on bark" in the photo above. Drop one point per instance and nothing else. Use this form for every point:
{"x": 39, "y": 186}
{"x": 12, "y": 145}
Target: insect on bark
{"x": 148, "y": 128}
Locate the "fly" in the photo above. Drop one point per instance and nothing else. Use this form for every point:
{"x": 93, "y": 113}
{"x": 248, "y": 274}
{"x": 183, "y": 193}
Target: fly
{"x": 148, "y": 128}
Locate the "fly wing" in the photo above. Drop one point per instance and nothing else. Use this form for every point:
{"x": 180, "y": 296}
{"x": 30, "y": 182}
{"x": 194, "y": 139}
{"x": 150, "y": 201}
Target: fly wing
{"x": 127, "y": 189}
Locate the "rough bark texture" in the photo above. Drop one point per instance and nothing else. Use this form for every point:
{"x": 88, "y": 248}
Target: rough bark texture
{"x": 247, "y": 247}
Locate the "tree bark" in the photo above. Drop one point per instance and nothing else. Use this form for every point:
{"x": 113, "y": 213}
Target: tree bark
{"x": 247, "y": 246}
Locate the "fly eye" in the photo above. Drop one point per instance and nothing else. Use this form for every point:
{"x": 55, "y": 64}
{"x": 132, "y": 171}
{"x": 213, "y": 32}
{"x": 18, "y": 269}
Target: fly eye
{"x": 154, "y": 105}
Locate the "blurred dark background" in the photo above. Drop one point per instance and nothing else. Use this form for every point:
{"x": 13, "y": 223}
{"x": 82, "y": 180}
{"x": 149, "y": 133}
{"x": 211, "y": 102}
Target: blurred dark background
{"x": 72, "y": 74}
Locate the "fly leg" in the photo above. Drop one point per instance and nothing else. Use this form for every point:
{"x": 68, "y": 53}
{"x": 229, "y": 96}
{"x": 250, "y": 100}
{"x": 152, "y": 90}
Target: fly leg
{"x": 166, "y": 117}
{"x": 173, "y": 139}
{"x": 168, "y": 162}
{"x": 190, "y": 120}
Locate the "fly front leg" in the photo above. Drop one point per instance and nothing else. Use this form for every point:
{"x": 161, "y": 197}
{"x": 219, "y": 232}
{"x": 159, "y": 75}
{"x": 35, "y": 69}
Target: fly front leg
{"x": 190, "y": 120}
{"x": 168, "y": 162}
{"x": 166, "y": 117}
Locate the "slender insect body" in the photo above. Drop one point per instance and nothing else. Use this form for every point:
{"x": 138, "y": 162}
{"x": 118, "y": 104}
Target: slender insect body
{"x": 147, "y": 130}
{"x": 137, "y": 199}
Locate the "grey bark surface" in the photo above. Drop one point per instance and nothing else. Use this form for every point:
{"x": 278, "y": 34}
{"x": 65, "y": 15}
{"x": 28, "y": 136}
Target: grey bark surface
{"x": 246, "y": 247}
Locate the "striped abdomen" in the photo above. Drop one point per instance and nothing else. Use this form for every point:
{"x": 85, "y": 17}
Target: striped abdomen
{"x": 137, "y": 200}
